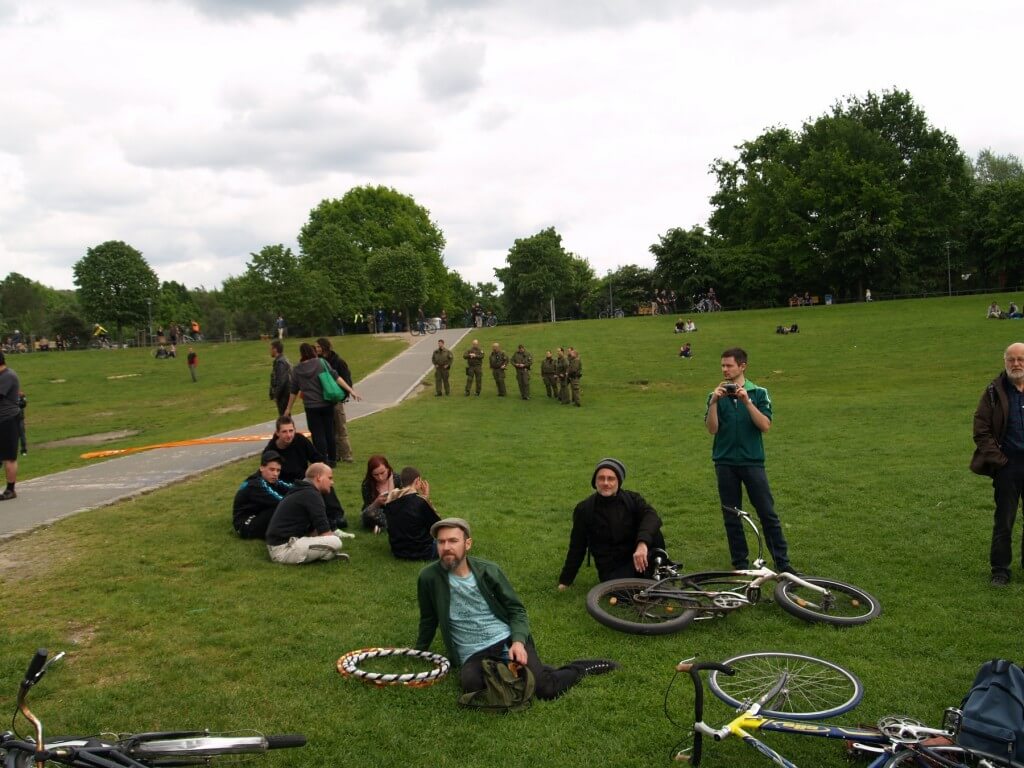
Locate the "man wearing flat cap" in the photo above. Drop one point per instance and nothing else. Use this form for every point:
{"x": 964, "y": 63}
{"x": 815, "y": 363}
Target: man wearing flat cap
{"x": 618, "y": 527}
{"x": 481, "y": 616}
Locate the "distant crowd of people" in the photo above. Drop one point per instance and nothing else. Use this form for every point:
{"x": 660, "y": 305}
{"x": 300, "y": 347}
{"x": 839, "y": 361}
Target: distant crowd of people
{"x": 995, "y": 313}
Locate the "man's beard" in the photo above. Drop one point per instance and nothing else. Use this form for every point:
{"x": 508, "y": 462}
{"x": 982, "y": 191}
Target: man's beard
{"x": 453, "y": 565}
{"x": 1016, "y": 378}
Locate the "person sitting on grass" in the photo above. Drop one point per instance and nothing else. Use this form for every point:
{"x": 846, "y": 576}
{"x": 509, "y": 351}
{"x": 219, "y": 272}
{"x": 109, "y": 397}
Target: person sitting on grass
{"x": 481, "y": 616}
{"x": 379, "y": 481}
{"x": 686, "y": 351}
{"x": 258, "y": 497}
{"x": 618, "y": 527}
{"x": 408, "y": 516}
{"x": 994, "y": 313}
{"x": 297, "y": 454}
{"x": 298, "y": 531}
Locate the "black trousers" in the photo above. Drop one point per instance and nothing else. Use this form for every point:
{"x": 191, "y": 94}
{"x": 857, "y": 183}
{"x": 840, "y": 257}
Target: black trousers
{"x": 1007, "y": 486}
{"x": 551, "y": 682}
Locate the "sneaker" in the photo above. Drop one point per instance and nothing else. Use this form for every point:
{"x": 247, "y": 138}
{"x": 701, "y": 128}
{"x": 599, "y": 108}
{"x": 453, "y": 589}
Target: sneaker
{"x": 594, "y": 666}
{"x": 8, "y": 494}
{"x": 998, "y": 579}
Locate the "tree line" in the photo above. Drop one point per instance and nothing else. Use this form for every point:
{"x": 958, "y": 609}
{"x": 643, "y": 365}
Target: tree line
{"x": 868, "y": 195}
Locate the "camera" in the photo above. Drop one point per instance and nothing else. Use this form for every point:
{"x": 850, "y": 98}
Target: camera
{"x": 731, "y": 389}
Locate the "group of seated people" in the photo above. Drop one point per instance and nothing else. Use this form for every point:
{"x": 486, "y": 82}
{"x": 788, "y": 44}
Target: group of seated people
{"x": 163, "y": 352}
{"x": 685, "y": 326}
{"x": 290, "y": 503}
{"x": 787, "y": 329}
{"x": 995, "y": 313}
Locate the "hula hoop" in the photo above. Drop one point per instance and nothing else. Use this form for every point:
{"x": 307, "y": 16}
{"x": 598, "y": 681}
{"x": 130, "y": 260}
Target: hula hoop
{"x": 348, "y": 666}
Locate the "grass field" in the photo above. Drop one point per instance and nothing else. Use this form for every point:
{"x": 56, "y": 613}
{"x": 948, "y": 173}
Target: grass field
{"x": 171, "y": 622}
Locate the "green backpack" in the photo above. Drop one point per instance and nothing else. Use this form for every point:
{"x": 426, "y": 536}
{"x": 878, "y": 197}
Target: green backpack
{"x": 504, "y": 690}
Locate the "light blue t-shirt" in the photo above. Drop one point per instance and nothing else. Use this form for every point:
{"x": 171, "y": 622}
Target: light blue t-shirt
{"x": 473, "y": 625}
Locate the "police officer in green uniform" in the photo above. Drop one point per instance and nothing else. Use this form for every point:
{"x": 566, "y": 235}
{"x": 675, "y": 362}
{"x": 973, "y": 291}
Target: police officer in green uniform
{"x": 521, "y": 361}
{"x": 474, "y": 357}
{"x": 499, "y": 361}
{"x": 561, "y": 364}
{"x": 550, "y": 376}
{"x": 574, "y": 372}
{"x": 442, "y": 360}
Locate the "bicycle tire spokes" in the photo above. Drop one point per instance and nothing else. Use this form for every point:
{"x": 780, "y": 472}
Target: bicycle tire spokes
{"x": 809, "y": 687}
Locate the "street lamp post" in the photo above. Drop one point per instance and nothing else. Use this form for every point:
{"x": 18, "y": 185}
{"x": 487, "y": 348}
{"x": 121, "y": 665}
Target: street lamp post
{"x": 611, "y": 302}
{"x": 149, "y": 312}
{"x": 949, "y": 273}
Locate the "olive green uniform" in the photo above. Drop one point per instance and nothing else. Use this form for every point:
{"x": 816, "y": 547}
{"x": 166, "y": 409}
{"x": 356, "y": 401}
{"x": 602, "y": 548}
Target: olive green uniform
{"x": 442, "y": 360}
{"x": 521, "y": 361}
{"x": 474, "y": 357}
{"x": 499, "y": 360}
{"x": 561, "y": 366}
{"x": 574, "y": 371}
{"x": 547, "y": 372}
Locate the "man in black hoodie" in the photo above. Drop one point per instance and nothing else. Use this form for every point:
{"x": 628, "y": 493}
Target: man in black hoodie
{"x": 258, "y": 496}
{"x": 618, "y": 527}
{"x": 298, "y": 531}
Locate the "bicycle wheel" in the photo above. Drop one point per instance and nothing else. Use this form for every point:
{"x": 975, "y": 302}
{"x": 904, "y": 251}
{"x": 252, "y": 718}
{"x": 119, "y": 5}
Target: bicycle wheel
{"x": 602, "y": 315}
{"x": 635, "y": 606}
{"x": 814, "y": 688}
{"x": 153, "y": 746}
{"x": 948, "y": 756}
{"x": 844, "y": 605}
{"x": 619, "y": 314}
{"x": 430, "y": 328}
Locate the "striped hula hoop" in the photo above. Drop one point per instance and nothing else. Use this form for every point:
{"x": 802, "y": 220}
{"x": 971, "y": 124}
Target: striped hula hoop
{"x": 348, "y": 666}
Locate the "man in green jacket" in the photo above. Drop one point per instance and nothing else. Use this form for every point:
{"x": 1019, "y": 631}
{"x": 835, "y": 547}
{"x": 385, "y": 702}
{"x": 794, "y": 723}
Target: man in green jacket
{"x": 561, "y": 365}
{"x": 521, "y": 361}
{"x": 549, "y": 374}
{"x": 574, "y": 372}
{"x": 474, "y": 357}
{"x": 481, "y": 616}
{"x": 442, "y": 360}
{"x": 498, "y": 361}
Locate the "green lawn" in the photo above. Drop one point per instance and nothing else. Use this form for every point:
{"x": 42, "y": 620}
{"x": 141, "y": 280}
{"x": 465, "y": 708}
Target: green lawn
{"x": 171, "y": 622}
{"x": 99, "y": 391}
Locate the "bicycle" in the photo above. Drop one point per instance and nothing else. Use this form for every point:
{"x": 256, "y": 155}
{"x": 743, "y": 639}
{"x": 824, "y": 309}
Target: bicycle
{"x": 422, "y": 328}
{"x": 490, "y": 320}
{"x": 616, "y": 313}
{"x": 787, "y": 692}
{"x": 672, "y": 601}
{"x": 140, "y": 750}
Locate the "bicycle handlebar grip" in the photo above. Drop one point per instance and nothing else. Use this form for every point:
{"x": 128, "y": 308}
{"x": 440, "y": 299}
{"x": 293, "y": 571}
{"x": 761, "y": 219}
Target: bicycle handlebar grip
{"x": 684, "y": 666}
{"x": 36, "y": 665}
{"x": 286, "y": 741}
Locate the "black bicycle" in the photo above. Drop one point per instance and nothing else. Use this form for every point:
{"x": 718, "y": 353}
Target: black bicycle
{"x": 148, "y": 750}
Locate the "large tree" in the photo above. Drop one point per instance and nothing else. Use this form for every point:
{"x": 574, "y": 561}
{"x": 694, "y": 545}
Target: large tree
{"x": 399, "y": 278}
{"x": 341, "y": 236}
{"x": 23, "y": 303}
{"x": 114, "y": 281}
{"x": 539, "y": 269}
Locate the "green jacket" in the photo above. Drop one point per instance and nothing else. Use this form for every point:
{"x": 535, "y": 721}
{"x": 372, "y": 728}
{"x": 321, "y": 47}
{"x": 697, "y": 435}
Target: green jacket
{"x": 434, "y": 597}
{"x": 498, "y": 360}
{"x": 739, "y": 442}
{"x": 474, "y": 357}
{"x": 524, "y": 359}
{"x": 560, "y": 366}
{"x": 442, "y": 358}
{"x": 574, "y": 370}
{"x": 548, "y": 367}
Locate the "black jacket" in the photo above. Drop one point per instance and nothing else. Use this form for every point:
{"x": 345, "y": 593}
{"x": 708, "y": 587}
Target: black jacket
{"x": 256, "y": 496}
{"x": 301, "y": 513}
{"x": 990, "y": 419}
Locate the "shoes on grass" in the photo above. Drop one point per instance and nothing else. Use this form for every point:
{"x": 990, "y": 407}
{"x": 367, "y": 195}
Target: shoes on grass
{"x": 594, "y": 666}
{"x": 8, "y": 495}
{"x": 1000, "y": 580}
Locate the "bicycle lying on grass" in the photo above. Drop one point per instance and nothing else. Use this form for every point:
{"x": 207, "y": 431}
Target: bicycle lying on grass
{"x": 148, "y": 750}
{"x": 785, "y": 692}
{"x": 671, "y": 601}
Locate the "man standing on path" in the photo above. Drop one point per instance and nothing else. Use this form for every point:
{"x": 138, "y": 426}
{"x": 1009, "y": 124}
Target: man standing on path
{"x": 549, "y": 375}
{"x": 498, "y": 363}
{"x": 574, "y": 372}
{"x": 10, "y": 389}
{"x": 738, "y": 414}
{"x": 280, "y": 376}
{"x": 442, "y": 360}
{"x": 999, "y": 437}
{"x": 299, "y": 532}
{"x": 561, "y": 370}
{"x": 481, "y": 616}
{"x": 193, "y": 363}
{"x": 521, "y": 361}
{"x": 474, "y": 357}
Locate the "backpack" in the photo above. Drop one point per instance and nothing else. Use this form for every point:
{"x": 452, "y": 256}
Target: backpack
{"x": 992, "y": 718}
{"x": 505, "y": 689}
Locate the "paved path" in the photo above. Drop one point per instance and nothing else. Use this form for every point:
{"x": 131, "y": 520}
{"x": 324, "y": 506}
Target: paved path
{"x": 43, "y": 500}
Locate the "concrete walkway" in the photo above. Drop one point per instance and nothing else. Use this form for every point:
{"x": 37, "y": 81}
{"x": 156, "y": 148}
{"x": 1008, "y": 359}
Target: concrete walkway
{"x": 43, "y": 500}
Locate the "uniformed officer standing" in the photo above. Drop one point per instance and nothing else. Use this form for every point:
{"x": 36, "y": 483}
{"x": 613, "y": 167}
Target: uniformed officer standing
{"x": 442, "y": 360}
{"x": 574, "y": 372}
{"x": 474, "y": 357}
{"x": 547, "y": 372}
{"x": 499, "y": 361}
{"x": 561, "y": 366}
{"x": 521, "y": 361}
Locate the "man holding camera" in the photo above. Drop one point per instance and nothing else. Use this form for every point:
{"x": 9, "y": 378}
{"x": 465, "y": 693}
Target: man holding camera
{"x": 738, "y": 414}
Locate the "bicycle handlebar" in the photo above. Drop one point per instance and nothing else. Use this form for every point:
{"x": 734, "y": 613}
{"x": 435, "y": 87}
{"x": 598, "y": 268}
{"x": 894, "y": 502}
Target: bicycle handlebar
{"x": 286, "y": 741}
{"x": 35, "y": 668}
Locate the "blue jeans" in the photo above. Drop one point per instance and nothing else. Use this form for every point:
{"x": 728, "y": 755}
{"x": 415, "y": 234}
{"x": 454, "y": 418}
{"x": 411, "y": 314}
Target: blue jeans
{"x": 730, "y": 492}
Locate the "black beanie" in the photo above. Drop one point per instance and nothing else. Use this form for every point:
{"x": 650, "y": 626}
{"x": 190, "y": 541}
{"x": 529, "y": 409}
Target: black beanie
{"x": 614, "y": 465}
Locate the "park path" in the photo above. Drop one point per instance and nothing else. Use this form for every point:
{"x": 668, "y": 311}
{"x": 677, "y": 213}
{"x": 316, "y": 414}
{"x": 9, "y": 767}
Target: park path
{"x": 44, "y": 500}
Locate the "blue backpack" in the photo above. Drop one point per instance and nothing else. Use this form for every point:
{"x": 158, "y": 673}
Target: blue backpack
{"x": 992, "y": 717}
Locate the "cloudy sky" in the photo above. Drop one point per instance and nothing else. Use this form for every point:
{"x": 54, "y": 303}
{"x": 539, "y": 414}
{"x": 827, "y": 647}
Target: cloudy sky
{"x": 199, "y": 131}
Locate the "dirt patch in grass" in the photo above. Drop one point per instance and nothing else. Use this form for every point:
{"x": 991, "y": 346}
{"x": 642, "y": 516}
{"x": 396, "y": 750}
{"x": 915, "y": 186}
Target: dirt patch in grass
{"x": 94, "y": 439}
{"x": 24, "y": 557}
{"x": 232, "y": 409}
